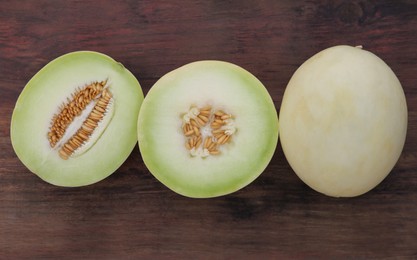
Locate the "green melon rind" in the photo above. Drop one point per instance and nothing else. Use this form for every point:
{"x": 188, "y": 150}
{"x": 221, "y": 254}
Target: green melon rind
{"x": 162, "y": 144}
{"x": 41, "y": 98}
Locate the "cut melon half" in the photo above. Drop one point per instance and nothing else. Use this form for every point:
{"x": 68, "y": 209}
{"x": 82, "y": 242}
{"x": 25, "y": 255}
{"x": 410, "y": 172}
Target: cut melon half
{"x": 207, "y": 129}
{"x": 75, "y": 121}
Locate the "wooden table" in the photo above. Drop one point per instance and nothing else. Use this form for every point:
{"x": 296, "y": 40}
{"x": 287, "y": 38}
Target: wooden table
{"x": 132, "y": 215}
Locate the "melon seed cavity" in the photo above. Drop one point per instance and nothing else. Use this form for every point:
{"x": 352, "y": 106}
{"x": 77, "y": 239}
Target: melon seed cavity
{"x": 206, "y": 130}
{"x": 88, "y": 106}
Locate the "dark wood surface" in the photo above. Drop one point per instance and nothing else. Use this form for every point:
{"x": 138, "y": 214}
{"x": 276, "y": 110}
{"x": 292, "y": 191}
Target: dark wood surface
{"x": 130, "y": 214}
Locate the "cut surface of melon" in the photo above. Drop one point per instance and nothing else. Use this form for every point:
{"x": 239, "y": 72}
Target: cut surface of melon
{"x": 207, "y": 87}
{"x": 343, "y": 121}
{"x": 45, "y": 133}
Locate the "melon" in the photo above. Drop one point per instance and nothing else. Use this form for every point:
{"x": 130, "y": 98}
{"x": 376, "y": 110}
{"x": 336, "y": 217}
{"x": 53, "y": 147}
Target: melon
{"x": 75, "y": 121}
{"x": 343, "y": 121}
{"x": 207, "y": 129}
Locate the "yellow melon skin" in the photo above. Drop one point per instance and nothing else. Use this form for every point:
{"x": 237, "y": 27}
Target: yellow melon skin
{"x": 343, "y": 121}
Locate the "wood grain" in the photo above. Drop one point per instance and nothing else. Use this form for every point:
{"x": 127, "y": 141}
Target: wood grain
{"x": 130, "y": 215}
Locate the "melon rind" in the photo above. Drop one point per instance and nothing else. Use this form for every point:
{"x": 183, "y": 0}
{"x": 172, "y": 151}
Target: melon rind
{"x": 223, "y": 86}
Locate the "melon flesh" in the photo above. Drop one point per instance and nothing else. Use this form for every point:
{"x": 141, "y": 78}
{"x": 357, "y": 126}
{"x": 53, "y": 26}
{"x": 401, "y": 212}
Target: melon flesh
{"x": 222, "y": 86}
{"x": 41, "y": 99}
{"x": 343, "y": 121}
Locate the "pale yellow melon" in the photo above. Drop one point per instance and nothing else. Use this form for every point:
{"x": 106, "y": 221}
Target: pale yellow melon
{"x": 343, "y": 121}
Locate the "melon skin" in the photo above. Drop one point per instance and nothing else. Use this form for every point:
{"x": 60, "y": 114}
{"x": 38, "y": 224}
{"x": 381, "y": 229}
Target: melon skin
{"x": 42, "y": 96}
{"x": 222, "y": 85}
{"x": 343, "y": 121}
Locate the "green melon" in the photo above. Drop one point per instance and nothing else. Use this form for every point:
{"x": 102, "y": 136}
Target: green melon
{"x": 75, "y": 121}
{"x": 343, "y": 121}
{"x": 207, "y": 129}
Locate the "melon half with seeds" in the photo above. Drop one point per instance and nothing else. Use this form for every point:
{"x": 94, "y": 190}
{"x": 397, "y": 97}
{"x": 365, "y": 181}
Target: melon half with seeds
{"x": 207, "y": 129}
{"x": 75, "y": 121}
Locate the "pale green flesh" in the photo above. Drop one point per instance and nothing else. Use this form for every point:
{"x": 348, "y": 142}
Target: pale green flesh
{"x": 343, "y": 121}
{"x": 223, "y": 86}
{"x": 40, "y": 100}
